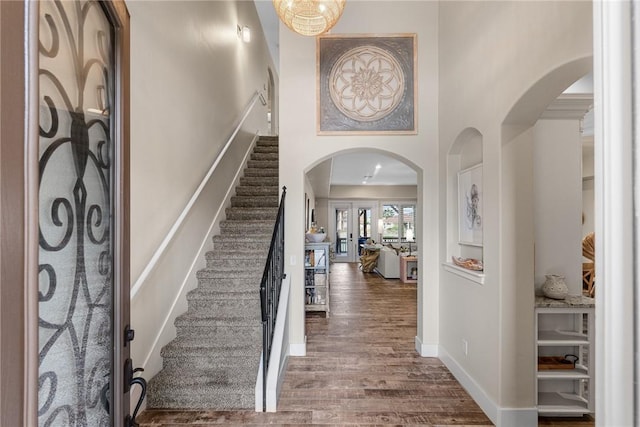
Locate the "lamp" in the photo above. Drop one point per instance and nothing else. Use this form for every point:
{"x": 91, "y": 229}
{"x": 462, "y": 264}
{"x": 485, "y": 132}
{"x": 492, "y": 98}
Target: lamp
{"x": 309, "y": 17}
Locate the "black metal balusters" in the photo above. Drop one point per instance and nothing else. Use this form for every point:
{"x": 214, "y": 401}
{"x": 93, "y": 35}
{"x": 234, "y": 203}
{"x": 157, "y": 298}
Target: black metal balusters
{"x": 270, "y": 292}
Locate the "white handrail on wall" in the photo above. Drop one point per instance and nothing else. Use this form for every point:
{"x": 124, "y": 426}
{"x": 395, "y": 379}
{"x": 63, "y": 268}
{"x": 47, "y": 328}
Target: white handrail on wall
{"x": 174, "y": 229}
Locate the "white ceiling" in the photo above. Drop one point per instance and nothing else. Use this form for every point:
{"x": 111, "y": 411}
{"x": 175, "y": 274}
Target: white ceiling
{"x": 370, "y": 169}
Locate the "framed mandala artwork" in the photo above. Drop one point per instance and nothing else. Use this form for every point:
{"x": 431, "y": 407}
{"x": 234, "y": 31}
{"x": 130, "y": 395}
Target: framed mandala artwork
{"x": 366, "y": 84}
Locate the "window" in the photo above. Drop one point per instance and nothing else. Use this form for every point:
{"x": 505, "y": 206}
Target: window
{"x": 398, "y": 222}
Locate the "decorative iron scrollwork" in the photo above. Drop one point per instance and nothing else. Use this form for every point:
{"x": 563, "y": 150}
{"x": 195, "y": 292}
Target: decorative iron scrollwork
{"x": 76, "y": 219}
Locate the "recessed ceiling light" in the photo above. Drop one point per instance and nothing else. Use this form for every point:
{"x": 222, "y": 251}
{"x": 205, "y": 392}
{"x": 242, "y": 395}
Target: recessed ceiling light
{"x": 378, "y": 166}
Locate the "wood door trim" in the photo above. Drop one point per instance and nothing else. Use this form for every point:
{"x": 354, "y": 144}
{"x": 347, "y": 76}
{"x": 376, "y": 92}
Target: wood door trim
{"x": 120, "y": 15}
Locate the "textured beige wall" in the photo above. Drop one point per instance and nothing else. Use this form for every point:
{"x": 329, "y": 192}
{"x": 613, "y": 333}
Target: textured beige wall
{"x": 191, "y": 80}
{"x": 491, "y": 53}
{"x": 301, "y": 148}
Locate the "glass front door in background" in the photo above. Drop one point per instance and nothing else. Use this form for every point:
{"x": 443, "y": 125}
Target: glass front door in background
{"x": 351, "y": 225}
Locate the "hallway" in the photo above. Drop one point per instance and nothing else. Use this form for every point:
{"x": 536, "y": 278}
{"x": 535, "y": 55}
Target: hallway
{"x": 361, "y": 368}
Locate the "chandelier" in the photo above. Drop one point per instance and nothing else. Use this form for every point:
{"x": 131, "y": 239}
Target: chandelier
{"x": 309, "y": 17}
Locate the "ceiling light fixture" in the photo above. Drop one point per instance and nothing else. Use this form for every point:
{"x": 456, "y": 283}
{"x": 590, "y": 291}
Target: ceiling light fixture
{"x": 309, "y": 17}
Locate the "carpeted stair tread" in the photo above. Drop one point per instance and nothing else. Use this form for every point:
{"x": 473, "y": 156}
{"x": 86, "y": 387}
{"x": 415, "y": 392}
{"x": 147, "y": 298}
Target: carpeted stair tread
{"x": 246, "y": 227}
{"x": 196, "y": 318}
{"x": 238, "y": 213}
{"x": 235, "y": 263}
{"x": 255, "y": 190}
{"x": 211, "y": 347}
{"x": 227, "y": 284}
{"x": 265, "y": 149}
{"x": 261, "y": 172}
{"x": 206, "y": 294}
{"x": 240, "y": 273}
{"x": 255, "y": 201}
{"x": 265, "y": 156}
{"x": 208, "y": 377}
{"x": 236, "y": 254}
{"x": 213, "y": 361}
{"x": 266, "y": 141}
{"x": 199, "y": 391}
{"x": 259, "y": 181}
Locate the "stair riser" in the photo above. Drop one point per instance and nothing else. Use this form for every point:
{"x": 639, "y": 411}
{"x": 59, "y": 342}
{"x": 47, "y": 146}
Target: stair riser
{"x": 227, "y": 285}
{"x": 228, "y": 334}
{"x": 239, "y": 214}
{"x": 252, "y": 246}
{"x": 204, "y": 398}
{"x": 263, "y": 164}
{"x": 264, "y": 149}
{"x": 226, "y": 308}
{"x": 254, "y": 201}
{"x": 244, "y": 372}
{"x": 257, "y": 172}
{"x": 263, "y": 190}
{"x": 257, "y": 181}
{"x": 239, "y": 255}
{"x": 268, "y": 157}
{"x": 264, "y": 228}
{"x": 253, "y": 275}
{"x": 253, "y": 264}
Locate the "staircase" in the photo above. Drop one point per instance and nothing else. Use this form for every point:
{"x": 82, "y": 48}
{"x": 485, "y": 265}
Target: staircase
{"x": 213, "y": 361}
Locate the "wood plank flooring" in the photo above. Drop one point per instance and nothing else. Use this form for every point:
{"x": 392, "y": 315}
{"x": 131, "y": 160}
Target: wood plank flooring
{"x": 361, "y": 368}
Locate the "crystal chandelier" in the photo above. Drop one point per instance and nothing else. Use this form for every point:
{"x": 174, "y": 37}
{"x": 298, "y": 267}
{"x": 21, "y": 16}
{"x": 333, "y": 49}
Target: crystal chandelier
{"x": 309, "y": 17}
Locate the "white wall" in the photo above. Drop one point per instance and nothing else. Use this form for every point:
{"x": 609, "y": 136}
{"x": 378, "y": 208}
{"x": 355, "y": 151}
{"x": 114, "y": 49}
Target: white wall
{"x": 557, "y": 201}
{"x": 491, "y": 54}
{"x": 301, "y": 148}
{"x": 191, "y": 79}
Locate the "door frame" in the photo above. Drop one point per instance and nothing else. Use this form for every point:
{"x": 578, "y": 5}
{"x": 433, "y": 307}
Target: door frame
{"x": 19, "y": 245}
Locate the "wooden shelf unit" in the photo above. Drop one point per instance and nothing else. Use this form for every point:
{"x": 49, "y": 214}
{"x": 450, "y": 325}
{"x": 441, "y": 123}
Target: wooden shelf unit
{"x": 316, "y": 276}
{"x": 407, "y": 265}
{"x": 562, "y": 330}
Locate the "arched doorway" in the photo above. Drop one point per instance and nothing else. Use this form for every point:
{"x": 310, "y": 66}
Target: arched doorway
{"x": 518, "y": 222}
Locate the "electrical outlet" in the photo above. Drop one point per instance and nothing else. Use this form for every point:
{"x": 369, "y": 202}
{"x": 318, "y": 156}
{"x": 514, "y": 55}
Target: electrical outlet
{"x": 465, "y": 347}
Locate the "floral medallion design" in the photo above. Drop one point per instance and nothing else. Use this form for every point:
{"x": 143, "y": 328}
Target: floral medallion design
{"x": 366, "y": 83}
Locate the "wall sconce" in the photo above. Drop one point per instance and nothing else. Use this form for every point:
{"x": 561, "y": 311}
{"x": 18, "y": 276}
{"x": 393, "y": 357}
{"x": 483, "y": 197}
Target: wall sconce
{"x": 244, "y": 33}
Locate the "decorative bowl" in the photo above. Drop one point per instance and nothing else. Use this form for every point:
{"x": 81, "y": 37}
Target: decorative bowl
{"x": 468, "y": 263}
{"x": 315, "y": 237}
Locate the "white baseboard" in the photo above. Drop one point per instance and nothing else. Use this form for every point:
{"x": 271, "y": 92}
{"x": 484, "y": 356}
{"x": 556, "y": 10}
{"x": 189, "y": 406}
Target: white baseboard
{"x": 525, "y": 417}
{"x": 501, "y": 417}
{"x": 426, "y": 350}
{"x": 298, "y": 349}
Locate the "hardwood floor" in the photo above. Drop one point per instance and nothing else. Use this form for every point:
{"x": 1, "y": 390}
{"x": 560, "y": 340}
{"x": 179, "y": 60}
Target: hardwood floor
{"x": 361, "y": 368}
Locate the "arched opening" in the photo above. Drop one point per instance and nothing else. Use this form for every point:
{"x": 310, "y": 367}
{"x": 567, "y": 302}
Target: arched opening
{"x": 541, "y": 192}
{"x": 377, "y": 182}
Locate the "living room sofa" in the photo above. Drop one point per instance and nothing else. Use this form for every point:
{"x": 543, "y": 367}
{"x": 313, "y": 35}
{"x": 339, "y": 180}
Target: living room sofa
{"x": 388, "y": 263}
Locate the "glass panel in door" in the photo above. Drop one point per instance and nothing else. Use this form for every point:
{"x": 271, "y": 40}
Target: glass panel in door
{"x": 76, "y": 257}
{"x": 343, "y": 234}
{"x": 364, "y": 227}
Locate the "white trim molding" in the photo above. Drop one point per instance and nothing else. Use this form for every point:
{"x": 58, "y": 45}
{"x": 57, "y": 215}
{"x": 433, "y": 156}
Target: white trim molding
{"x": 616, "y": 328}
{"x": 501, "y": 417}
{"x": 426, "y": 350}
{"x": 298, "y": 349}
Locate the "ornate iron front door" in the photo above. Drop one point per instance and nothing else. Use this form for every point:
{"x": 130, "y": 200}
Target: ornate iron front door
{"x": 80, "y": 253}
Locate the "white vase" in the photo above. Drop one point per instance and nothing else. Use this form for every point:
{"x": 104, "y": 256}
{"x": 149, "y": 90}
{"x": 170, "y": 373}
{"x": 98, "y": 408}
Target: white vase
{"x": 555, "y": 287}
